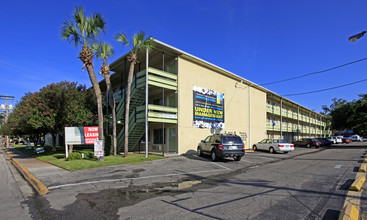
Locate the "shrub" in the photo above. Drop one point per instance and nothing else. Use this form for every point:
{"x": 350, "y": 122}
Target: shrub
{"x": 89, "y": 155}
{"x": 74, "y": 156}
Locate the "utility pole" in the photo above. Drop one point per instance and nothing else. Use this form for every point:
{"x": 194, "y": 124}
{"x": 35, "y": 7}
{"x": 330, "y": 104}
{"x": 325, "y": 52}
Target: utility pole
{"x": 5, "y": 108}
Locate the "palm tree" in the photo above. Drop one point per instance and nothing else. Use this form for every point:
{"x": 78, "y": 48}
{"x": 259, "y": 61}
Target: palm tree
{"x": 137, "y": 44}
{"x": 83, "y": 31}
{"x": 104, "y": 51}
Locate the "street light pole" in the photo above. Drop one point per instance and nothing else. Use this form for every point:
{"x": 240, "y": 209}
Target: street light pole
{"x": 356, "y": 36}
{"x": 6, "y": 108}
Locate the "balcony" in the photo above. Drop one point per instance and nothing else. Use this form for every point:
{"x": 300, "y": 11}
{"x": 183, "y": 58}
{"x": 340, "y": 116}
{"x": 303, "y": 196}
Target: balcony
{"x": 158, "y": 113}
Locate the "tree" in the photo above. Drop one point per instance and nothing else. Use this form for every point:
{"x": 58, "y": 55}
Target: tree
{"x": 54, "y": 107}
{"x": 103, "y": 51}
{"x": 84, "y": 30}
{"x": 349, "y": 115}
{"x": 137, "y": 44}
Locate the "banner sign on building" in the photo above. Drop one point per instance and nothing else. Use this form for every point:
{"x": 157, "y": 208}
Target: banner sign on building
{"x": 208, "y": 108}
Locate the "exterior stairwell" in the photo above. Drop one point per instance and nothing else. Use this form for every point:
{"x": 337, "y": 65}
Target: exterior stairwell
{"x": 136, "y": 115}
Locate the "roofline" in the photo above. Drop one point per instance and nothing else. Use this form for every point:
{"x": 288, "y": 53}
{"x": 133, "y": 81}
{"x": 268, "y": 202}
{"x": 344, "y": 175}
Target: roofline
{"x": 250, "y": 83}
{"x": 206, "y": 63}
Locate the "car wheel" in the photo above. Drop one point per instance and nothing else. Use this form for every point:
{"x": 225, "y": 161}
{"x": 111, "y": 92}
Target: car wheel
{"x": 271, "y": 150}
{"x": 254, "y": 147}
{"x": 214, "y": 155}
{"x": 308, "y": 146}
{"x": 199, "y": 152}
{"x": 237, "y": 158}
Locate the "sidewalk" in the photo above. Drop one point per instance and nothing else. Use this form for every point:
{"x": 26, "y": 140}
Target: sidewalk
{"x": 37, "y": 167}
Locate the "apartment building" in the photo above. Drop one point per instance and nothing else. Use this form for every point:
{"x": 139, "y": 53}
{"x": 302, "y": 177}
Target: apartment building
{"x": 178, "y": 99}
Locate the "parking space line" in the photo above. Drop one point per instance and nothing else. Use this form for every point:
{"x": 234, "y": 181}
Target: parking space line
{"x": 221, "y": 166}
{"x": 135, "y": 178}
{"x": 263, "y": 157}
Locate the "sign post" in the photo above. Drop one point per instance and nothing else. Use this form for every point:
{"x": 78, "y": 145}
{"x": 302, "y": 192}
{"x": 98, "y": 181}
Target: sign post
{"x": 98, "y": 148}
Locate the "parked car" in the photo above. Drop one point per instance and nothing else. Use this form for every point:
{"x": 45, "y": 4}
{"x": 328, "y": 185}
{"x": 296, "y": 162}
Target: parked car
{"x": 346, "y": 140}
{"x": 274, "y": 145}
{"x": 355, "y": 137}
{"x": 307, "y": 142}
{"x": 324, "y": 141}
{"x": 332, "y": 140}
{"x": 339, "y": 139}
{"x": 222, "y": 145}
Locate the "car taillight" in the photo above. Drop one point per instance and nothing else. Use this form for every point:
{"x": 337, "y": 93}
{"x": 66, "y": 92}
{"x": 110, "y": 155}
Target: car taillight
{"x": 243, "y": 147}
{"x": 292, "y": 145}
{"x": 280, "y": 145}
{"x": 220, "y": 147}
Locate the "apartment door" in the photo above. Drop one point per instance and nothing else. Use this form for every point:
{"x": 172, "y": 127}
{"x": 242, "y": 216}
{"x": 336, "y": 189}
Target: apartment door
{"x": 172, "y": 140}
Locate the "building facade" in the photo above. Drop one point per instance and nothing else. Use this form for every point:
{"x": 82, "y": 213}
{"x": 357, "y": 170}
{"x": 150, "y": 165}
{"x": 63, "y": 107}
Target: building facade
{"x": 178, "y": 99}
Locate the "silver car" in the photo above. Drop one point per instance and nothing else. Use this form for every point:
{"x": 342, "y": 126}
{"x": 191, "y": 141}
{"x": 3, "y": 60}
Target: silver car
{"x": 274, "y": 145}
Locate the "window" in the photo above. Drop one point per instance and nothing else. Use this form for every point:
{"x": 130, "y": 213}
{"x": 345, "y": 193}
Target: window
{"x": 214, "y": 139}
{"x": 207, "y": 139}
{"x": 158, "y": 136}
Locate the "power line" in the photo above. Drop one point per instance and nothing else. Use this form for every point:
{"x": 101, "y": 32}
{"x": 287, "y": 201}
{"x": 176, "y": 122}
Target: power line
{"x": 308, "y": 74}
{"x": 321, "y": 90}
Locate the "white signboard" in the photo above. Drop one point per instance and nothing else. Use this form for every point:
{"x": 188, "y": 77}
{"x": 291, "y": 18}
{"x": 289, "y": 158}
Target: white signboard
{"x": 74, "y": 135}
{"x": 98, "y": 148}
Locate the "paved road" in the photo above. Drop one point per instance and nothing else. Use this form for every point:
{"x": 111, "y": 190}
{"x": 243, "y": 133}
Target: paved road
{"x": 305, "y": 187}
{"x": 12, "y": 202}
{"x": 307, "y": 183}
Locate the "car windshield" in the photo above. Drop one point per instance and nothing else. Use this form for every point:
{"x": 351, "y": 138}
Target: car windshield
{"x": 233, "y": 139}
{"x": 314, "y": 140}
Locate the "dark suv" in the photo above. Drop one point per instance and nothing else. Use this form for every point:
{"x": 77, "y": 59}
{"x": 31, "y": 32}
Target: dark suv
{"x": 222, "y": 145}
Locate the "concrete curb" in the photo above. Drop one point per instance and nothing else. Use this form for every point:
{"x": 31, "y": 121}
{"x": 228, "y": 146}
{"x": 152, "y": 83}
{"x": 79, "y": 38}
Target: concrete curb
{"x": 349, "y": 212}
{"x": 351, "y": 206}
{"x": 363, "y": 168}
{"x": 37, "y": 185}
{"x": 358, "y": 183}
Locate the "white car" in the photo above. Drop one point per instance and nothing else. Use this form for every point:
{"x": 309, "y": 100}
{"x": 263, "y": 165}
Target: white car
{"x": 332, "y": 140}
{"x": 274, "y": 145}
{"x": 339, "y": 139}
{"x": 355, "y": 137}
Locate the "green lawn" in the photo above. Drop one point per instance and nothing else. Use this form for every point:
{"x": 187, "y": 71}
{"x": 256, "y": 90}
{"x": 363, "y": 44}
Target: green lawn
{"x": 58, "y": 158}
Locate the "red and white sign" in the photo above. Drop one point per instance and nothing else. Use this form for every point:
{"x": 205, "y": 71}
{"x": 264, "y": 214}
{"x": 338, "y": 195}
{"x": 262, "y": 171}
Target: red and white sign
{"x": 90, "y": 135}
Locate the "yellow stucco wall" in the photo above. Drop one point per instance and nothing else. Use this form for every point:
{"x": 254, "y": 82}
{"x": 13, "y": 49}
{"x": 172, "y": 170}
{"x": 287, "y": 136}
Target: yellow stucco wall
{"x": 236, "y": 100}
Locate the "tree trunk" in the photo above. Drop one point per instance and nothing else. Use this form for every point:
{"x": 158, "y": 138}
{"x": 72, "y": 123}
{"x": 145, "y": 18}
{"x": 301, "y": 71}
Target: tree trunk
{"x": 112, "y": 105}
{"x": 71, "y": 148}
{"x": 127, "y": 114}
{"x": 97, "y": 91}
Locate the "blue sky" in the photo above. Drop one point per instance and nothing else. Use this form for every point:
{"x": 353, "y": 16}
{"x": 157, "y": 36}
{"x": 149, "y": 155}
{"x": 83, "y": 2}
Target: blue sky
{"x": 260, "y": 40}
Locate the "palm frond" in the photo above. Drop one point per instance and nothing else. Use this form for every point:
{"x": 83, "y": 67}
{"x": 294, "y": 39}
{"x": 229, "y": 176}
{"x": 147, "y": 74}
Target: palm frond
{"x": 148, "y": 44}
{"x": 103, "y": 50}
{"x": 95, "y": 25}
{"x": 121, "y": 37}
{"x": 70, "y": 32}
{"x": 79, "y": 18}
{"x": 138, "y": 39}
